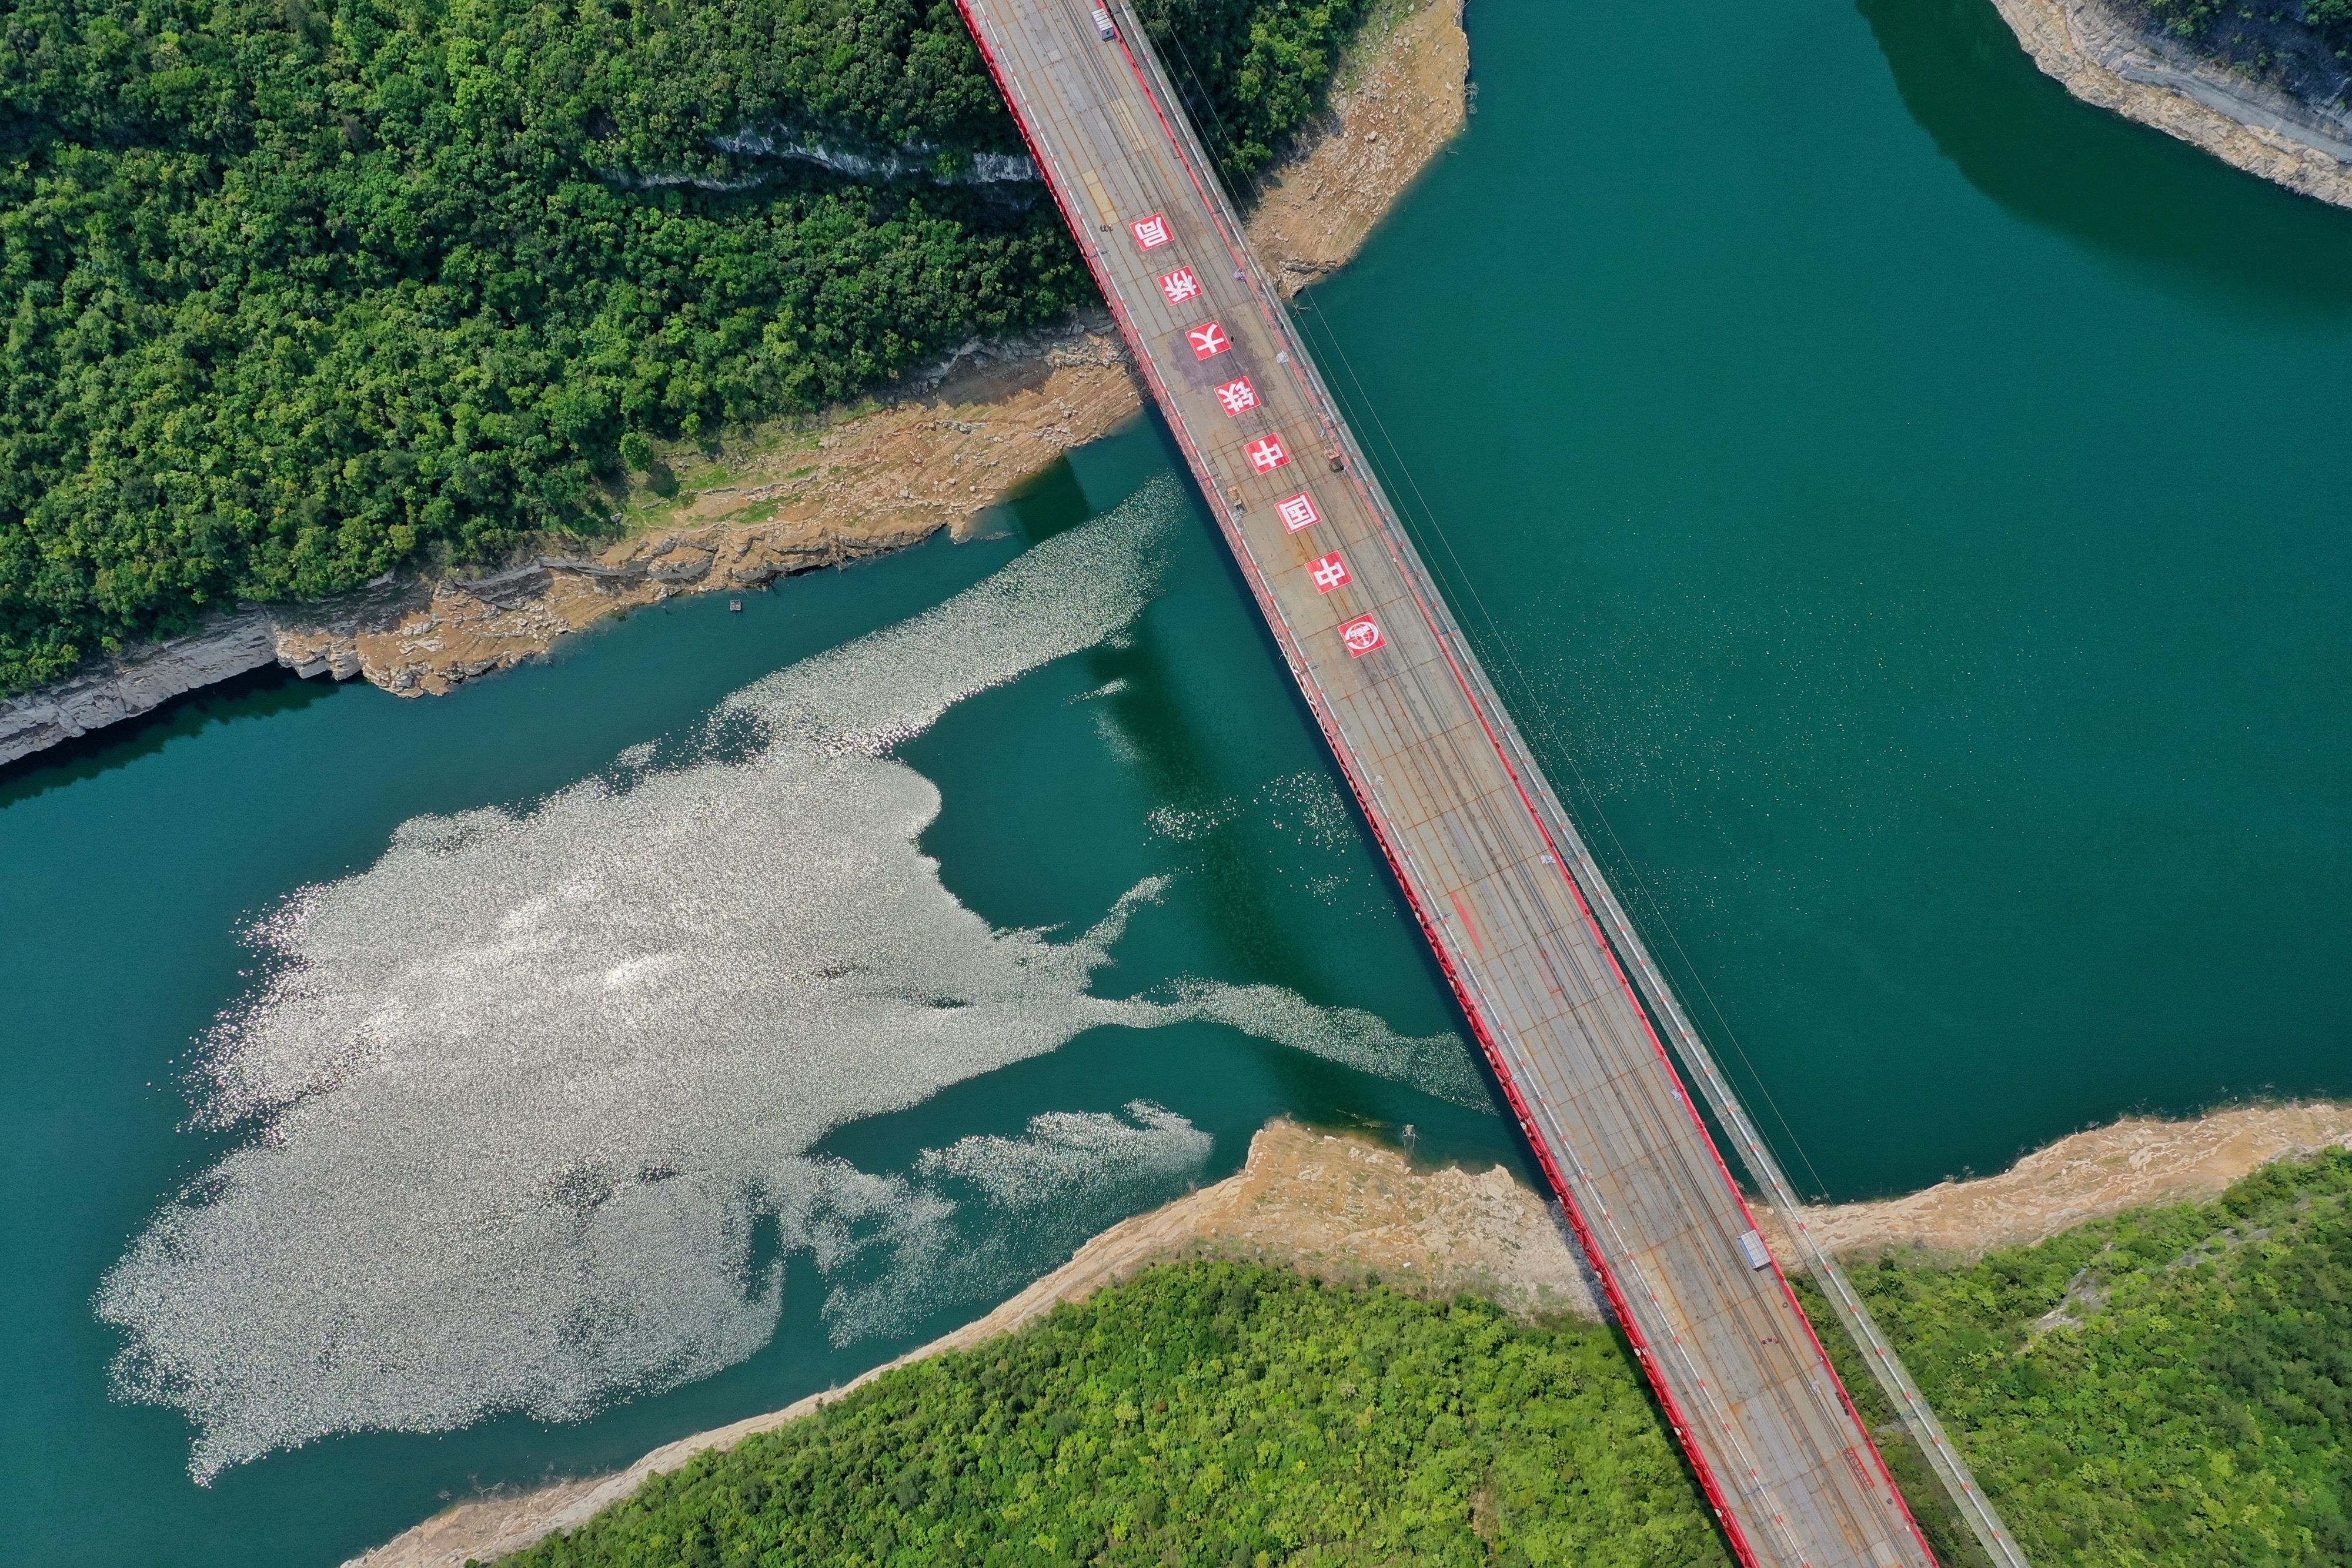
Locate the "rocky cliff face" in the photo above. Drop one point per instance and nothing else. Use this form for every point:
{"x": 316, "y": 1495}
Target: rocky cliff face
{"x": 136, "y": 683}
{"x": 946, "y": 447}
{"x": 423, "y": 639}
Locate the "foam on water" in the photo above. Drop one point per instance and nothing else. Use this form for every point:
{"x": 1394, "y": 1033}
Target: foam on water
{"x": 520, "y": 1096}
{"x": 1037, "y": 1194}
{"x": 1064, "y": 1154}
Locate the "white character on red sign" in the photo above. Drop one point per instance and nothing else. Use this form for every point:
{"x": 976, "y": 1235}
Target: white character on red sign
{"x": 1152, "y": 232}
{"x": 1180, "y": 286}
{"x": 1266, "y": 454}
{"x": 1329, "y": 572}
{"x": 1361, "y": 635}
{"x": 1298, "y": 512}
{"x": 1238, "y": 396}
{"x": 1208, "y": 341}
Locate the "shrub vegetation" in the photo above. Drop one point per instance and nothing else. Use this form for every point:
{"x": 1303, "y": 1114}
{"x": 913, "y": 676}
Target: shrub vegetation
{"x": 1250, "y": 73}
{"x": 302, "y": 291}
{"x": 2171, "y": 1386}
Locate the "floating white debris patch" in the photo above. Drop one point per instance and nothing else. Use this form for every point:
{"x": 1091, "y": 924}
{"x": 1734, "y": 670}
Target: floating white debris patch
{"x": 1437, "y": 1062}
{"x": 524, "y": 1096}
{"x": 1039, "y": 1196}
{"x": 1067, "y": 1155}
{"x": 1310, "y": 807}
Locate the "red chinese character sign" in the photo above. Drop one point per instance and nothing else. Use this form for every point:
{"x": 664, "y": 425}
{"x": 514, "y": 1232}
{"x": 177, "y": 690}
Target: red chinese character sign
{"x": 1267, "y": 454}
{"x": 1152, "y": 232}
{"x": 1180, "y": 286}
{"x": 1329, "y": 572}
{"x": 1362, "y": 635}
{"x": 1298, "y": 512}
{"x": 1237, "y": 396}
{"x": 1208, "y": 341}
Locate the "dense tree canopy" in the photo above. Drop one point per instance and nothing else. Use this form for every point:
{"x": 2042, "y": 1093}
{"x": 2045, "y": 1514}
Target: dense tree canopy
{"x": 1250, "y": 71}
{"x": 302, "y": 291}
{"x": 1204, "y": 1413}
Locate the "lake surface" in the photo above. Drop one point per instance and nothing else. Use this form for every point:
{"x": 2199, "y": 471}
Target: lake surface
{"x": 1902, "y": 502}
{"x": 1903, "y": 498}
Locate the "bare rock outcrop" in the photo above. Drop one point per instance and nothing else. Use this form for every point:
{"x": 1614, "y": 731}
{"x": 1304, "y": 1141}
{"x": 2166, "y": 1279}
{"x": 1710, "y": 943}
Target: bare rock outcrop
{"x": 142, "y": 681}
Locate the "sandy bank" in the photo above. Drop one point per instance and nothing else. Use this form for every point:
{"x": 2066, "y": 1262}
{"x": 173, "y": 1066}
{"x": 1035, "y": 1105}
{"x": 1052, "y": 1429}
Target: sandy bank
{"x": 934, "y": 453}
{"x": 2104, "y": 58}
{"x": 1343, "y": 1206}
{"x": 2130, "y": 1164}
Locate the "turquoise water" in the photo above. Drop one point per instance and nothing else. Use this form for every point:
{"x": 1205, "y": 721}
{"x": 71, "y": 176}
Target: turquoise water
{"x": 134, "y": 866}
{"x": 1902, "y": 501}
{"x": 1916, "y": 516}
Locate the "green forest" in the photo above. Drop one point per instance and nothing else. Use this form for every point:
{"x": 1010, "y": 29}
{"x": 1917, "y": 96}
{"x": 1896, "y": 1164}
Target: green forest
{"x": 303, "y": 291}
{"x": 1204, "y": 1412}
{"x": 2169, "y": 1387}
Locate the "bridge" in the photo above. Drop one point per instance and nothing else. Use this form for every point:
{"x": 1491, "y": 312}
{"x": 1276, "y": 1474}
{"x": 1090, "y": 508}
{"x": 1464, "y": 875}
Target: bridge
{"x": 1570, "y": 1010}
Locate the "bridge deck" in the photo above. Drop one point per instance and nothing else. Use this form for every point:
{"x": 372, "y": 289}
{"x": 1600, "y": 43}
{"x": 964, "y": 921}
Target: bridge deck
{"x": 1487, "y": 859}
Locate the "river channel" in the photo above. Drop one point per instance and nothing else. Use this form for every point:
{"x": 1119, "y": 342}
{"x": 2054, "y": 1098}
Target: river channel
{"x": 1903, "y": 504}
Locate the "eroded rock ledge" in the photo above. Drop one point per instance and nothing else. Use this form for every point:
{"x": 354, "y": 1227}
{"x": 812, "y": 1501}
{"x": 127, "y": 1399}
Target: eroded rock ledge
{"x": 2104, "y": 56}
{"x": 942, "y": 449}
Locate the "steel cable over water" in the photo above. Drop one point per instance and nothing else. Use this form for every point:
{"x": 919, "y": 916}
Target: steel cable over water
{"x": 1307, "y": 321}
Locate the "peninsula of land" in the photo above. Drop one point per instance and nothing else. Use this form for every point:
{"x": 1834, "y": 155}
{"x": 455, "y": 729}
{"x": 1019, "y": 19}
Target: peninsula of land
{"x": 1350, "y": 1210}
{"x": 2259, "y": 90}
{"x": 935, "y": 451}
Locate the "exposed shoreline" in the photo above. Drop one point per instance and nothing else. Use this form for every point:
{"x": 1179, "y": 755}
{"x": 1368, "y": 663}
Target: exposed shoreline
{"x": 2136, "y": 1163}
{"x": 934, "y": 453}
{"x": 2103, "y": 59}
{"x": 1345, "y": 1208}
